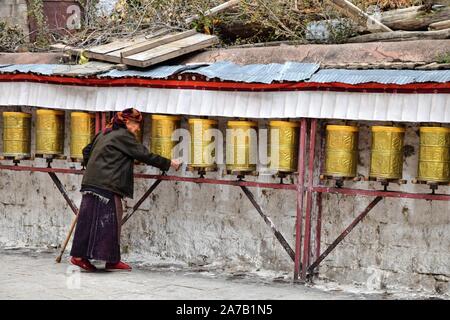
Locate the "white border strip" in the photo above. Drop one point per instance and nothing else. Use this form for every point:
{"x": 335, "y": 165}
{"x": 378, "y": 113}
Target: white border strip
{"x": 279, "y": 104}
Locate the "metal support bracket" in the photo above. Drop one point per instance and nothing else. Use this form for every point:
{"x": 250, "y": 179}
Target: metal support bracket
{"x": 269, "y": 222}
{"x": 344, "y": 234}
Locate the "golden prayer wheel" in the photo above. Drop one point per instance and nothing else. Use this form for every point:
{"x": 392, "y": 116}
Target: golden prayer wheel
{"x": 49, "y": 132}
{"x": 82, "y": 130}
{"x": 434, "y": 154}
{"x": 202, "y": 145}
{"x": 341, "y": 153}
{"x": 241, "y": 146}
{"x": 386, "y": 160}
{"x": 16, "y": 134}
{"x": 284, "y": 152}
{"x": 161, "y": 136}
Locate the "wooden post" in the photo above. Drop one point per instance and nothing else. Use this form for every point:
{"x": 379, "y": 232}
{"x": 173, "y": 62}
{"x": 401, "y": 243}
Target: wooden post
{"x": 355, "y": 13}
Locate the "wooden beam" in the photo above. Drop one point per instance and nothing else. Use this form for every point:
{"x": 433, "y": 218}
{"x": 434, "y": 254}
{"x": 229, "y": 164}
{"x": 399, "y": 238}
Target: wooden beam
{"x": 171, "y": 50}
{"x": 414, "y": 18}
{"x": 149, "y": 44}
{"x": 402, "y": 36}
{"x": 355, "y": 13}
{"x": 439, "y": 25}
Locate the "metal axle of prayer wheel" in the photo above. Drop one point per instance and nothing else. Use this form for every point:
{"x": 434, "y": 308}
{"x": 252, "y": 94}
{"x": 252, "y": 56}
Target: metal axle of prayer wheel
{"x": 16, "y": 136}
{"x": 49, "y": 133}
{"x": 82, "y": 131}
{"x": 283, "y": 146}
{"x": 163, "y": 127}
{"x": 341, "y": 153}
{"x": 241, "y": 148}
{"x": 386, "y": 162}
{"x": 434, "y": 156}
{"x": 203, "y": 145}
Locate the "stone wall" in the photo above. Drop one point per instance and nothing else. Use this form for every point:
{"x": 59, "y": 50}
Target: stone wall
{"x": 401, "y": 243}
{"x": 15, "y": 12}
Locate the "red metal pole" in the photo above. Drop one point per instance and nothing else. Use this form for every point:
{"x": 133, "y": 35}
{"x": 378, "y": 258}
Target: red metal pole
{"x": 300, "y": 194}
{"x": 97, "y": 122}
{"x": 318, "y": 225}
{"x": 380, "y": 193}
{"x": 344, "y": 234}
{"x": 309, "y": 199}
{"x": 103, "y": 125}
{"x": 237, "y": 183}
{"x": 319, "y": 195}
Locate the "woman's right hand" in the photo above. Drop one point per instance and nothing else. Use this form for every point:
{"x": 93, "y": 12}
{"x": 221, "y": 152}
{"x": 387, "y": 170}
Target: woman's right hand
{"x": 176, "y": 164}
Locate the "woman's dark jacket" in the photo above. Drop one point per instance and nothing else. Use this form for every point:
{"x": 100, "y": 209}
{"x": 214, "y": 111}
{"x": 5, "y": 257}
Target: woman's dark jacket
{"x": 109, "y": 161}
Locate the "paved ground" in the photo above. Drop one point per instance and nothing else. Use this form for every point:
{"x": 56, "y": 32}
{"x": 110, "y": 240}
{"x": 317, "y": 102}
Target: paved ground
{"x": 28, "y": 275}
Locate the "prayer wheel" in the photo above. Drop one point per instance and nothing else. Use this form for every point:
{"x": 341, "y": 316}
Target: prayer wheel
{"x": 241, "y": 146}
{"x": 161, "y": 134}
{"x": 202, "y": 144}
{"x": 16, "y": 134}
{"x": 434, "y": 154}
{"x": 82, "y": 131}
{"x": 283, "y": 150}
{"x": 341, "y": 152}
{"x": 387, "y": 152}
{"x": 49, "y": 132}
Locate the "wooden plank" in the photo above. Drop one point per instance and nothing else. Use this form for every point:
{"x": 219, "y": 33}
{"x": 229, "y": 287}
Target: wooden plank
{"x": 113, "y": 46}
{"x": 439, "y": 25}
{"x": 353, "y": 12}
{"x": 102, "y": 53}
{"x": 150, "y": 44}
{"x": 402, "y": 36}
{"x": 171, "y": 50}
{"x": 414, "y": 18}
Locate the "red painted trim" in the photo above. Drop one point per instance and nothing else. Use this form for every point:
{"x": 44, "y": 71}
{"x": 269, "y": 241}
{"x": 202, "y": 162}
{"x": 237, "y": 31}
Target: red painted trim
{"x": 227, "y": 85}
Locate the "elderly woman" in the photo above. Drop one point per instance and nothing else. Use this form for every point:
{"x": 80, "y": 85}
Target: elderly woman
{"x": 108, "y": 178}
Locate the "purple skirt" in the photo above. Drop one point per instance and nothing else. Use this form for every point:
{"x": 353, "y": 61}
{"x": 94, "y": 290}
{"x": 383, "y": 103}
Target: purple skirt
{"x": 97, "y": 234}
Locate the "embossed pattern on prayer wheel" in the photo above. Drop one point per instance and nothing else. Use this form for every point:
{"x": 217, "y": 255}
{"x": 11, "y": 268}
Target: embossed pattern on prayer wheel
{"x": 386, "y": 160}
{"x": 161, "y": 134}
{"x": 16, "y": 134}
{"x": 82, "y": 130}
{"x": 283, "y": 145}
{"x": 434, "y": 154}
{"x": 49, "y": 132}
{"x": 203, "y": 145}
{"x": 341, "y": 152}
{"x": 241, "y": 146}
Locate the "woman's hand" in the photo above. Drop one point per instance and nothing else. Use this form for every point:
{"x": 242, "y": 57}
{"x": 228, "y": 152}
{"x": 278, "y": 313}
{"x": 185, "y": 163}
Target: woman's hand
{"x": 176, "y": 164}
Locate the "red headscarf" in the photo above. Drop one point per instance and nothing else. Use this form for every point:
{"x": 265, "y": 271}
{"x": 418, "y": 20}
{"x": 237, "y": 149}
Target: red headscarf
{"x": 120, "y": 119}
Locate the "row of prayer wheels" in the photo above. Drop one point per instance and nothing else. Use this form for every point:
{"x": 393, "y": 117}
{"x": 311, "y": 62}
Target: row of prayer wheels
{"x": 387, "y": 153}
{"x": 341, "y": 152}
{"x": 49, "y": 133}
{"x": 240, "y": 158}
{"x": 240, "y": 148}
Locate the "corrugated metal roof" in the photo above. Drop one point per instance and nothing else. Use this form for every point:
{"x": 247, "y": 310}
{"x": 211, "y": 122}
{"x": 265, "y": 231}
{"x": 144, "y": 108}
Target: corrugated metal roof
{"x": 155, "y": 73}
{"x": 227, "y": 71}
{"x": 380, "y": 76}
{"x": 261, "y": 73}
{"x": 44, "y": 69}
